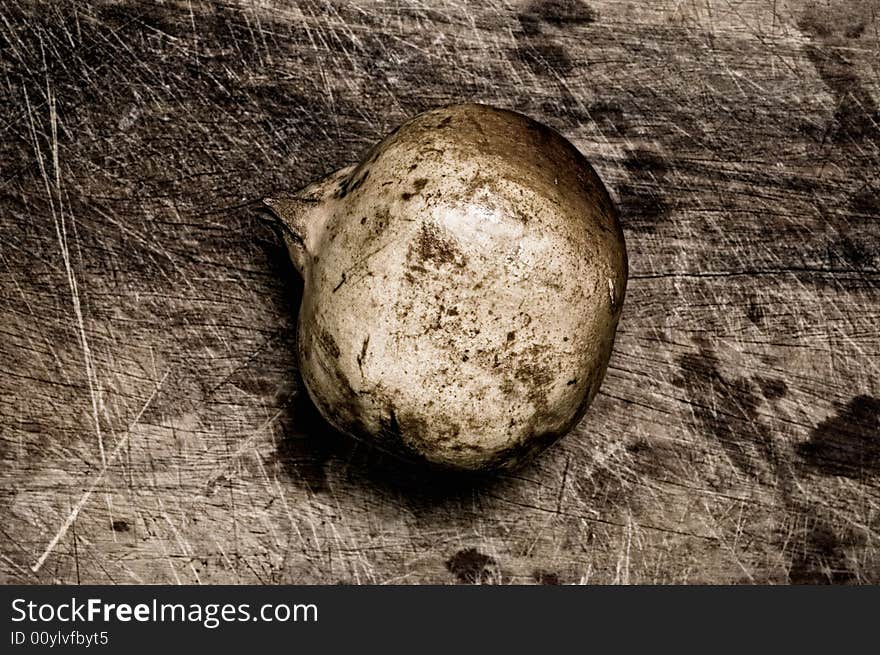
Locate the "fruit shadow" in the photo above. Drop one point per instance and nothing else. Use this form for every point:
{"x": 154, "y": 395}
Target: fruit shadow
{"x": 311, "y": 449}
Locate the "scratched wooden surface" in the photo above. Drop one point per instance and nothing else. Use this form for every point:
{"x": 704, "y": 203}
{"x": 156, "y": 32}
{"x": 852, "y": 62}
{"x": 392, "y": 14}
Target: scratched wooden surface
{"x": 152, "y": 425}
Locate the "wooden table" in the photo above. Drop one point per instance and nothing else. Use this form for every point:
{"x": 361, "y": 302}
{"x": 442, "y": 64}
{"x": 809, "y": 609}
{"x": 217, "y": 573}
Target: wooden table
{"x": 152, "y": 425}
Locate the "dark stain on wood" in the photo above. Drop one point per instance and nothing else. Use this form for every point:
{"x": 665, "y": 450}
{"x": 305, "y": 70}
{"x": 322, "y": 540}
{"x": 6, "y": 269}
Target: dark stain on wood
{"x": 845, "y": 18}
{"x": 853, "y": 254}
{"x": 546, "y": 577}
{"x": 643, "y": 203}
{"x": 556, "y": 13}
{"x": 821, "y": 558}
{"x": 471, "y": 566}
{"x": 610, "y": 117}
{"x": 866, "y": 202}
{"x": 772, "y": 388}
{"x": 755, "y": 312}
{"x": 856, "y": 117}
{"x": 536, "y": 47}
{"x": 847, "y": 444}
{"x": 544, "y": 58}
{"x": 726, "y": 409}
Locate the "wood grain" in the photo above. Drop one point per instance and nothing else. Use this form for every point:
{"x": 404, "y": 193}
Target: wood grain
{"x": 152, "y": 425}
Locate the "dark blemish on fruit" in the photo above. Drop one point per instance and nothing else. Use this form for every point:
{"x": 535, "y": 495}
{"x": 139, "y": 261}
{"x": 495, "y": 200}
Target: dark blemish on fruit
{"x": 511, "y": 336}
{"x": 508, "y": 387}
{"x": 418, "y": 185}
{"x": 571, "y": 382}
{"x": 479, "y": 182}
{"x": 445, "y": 430}
{"x": 363, "y": 355}
{"x": 445, "y": 122}
{"x": 392, "y": 433}
{"x": 537, "y": 379}
{"x": 847, "y": 444}
{"x": 328, "y": 343}
{"x": 120, "y": 525}
{"x": 381, "y": 219}
{"x": 349, "y": 184}
{"x": 471, "y": 566}
{"x": 339, "y": 286}
{"x": 431, "y": 246}
{"x": 542, "y": 134}
{"x": 414, "y": 427}
{"x": 345, "y": 405}
{"x": 522, "y": 216}
{"x": 471, "y": 118}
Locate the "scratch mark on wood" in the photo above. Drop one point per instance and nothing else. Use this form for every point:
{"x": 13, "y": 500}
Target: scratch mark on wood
{"x": 121, "y": 443}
